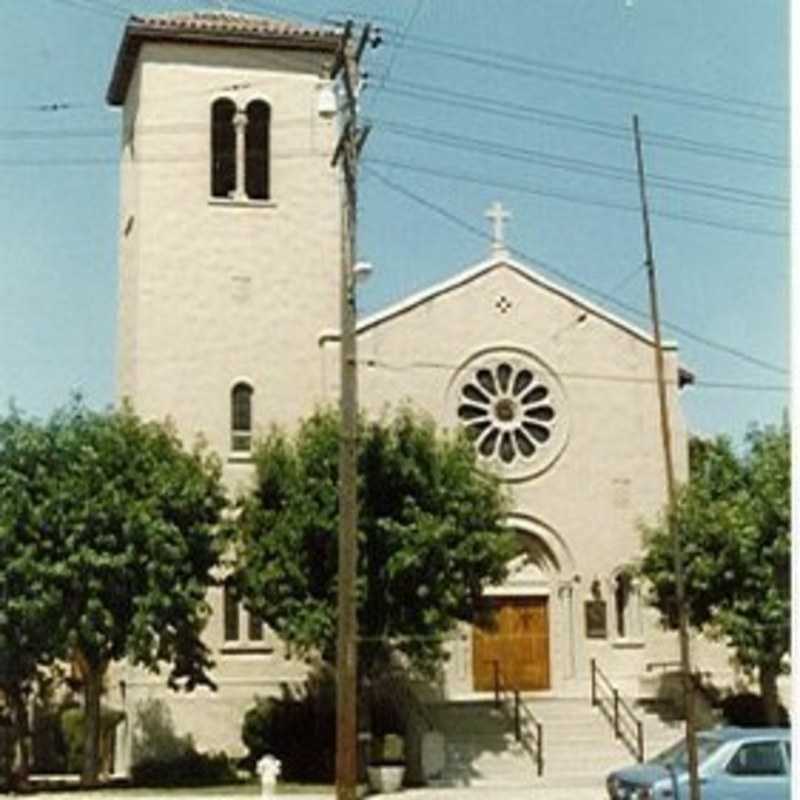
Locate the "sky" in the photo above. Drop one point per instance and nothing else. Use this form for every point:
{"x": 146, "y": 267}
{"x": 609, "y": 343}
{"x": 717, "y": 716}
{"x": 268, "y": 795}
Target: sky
{"x": 527, "y": 102}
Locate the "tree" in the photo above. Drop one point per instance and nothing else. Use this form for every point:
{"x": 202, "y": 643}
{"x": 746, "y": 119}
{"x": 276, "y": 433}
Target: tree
{"x": 133, "y": 518}
{"x": 733, "y": 518}
{"x": 29, "y": 599}
{"x": 431, "y": 537}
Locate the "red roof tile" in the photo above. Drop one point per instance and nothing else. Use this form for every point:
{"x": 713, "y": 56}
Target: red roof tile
{"x": 210, "y": 27}
{"x": 225, "y": 22}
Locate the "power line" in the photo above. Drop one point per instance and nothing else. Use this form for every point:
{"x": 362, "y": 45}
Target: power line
{"x": 456, "y": 220}
{"x": 597, "y": 75}
{"x": 576, "y": 165}
{"x": 397, "y": 47}
{"x": 540, "y": 116}
{"x": 410, "y": 366}
{"x": 600, "y": 81}
{"x": 524, "y": 188}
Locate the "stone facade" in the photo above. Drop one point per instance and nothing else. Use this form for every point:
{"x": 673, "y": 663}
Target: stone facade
{"x": 220, "y": 291}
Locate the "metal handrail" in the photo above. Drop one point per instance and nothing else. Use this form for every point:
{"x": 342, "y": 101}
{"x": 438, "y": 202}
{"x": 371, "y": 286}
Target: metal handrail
{"x": 520, "y": 708}
{"x": 627, "y": 726}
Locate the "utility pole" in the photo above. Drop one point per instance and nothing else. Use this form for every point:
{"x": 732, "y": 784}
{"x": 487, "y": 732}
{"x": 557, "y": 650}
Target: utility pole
{"x": 666, "y": 438}
{"x": 351, "y": 140}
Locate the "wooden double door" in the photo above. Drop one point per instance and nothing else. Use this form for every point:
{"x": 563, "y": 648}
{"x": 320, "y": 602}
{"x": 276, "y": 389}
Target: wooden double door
{"x": 517, "y": 637}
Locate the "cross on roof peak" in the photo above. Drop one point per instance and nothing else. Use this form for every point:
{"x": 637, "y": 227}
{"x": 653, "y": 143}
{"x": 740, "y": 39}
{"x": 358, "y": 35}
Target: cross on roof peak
{"x": 498, "y": 216}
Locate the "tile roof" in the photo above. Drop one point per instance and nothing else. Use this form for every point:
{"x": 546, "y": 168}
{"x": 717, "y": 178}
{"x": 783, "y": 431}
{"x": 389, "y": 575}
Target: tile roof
{"x": 212, "y": 27}
{"x": 225, "y": 22}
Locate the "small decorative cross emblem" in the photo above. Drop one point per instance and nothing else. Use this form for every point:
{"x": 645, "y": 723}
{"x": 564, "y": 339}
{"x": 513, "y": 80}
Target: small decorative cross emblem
{"x": 503, "y": 304}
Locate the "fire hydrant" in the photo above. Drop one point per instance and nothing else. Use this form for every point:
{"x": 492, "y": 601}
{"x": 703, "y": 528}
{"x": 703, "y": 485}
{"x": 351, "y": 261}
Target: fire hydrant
{"x": 268, "y": 768}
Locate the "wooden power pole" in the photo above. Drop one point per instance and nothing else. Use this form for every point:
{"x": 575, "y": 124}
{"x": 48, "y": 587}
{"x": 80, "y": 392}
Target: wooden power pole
{"x": 351, "y": 140}
{"x": 666, "y": 438}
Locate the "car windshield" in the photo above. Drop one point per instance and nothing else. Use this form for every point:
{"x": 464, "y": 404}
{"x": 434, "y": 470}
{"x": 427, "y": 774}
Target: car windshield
{"x": 677, "y": 756}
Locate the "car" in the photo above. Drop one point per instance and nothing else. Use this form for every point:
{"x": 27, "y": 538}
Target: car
{"x": 733, "y": 764}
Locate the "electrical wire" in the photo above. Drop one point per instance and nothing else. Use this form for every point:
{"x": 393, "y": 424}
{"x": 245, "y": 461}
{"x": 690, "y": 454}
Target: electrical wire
{"x": 410, "y": 366}
{"x": 604, "y": 82}
{"x": 524, "y": 188}
{"x": 576, "y": 165}
{"x": 540, "y": 116}
{"x": 571, "y": 279}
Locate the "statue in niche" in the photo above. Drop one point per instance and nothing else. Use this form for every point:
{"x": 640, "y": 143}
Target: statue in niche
{"x": 595, "y": 613}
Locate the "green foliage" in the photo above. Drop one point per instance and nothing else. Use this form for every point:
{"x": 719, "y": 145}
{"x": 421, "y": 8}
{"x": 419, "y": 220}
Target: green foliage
{"x": 190, "y": 769}
{"x": 430, "y": 537}
{"x": 387, "y": 750}
{"x": 137, "y": 514}
{"x": 298, "y": 728}
{"x": 747, "y": 710}
{"x": 50, "y": 748}
{"x": 154, "y": 736}
{"x": 31, "y": 555}
{"x": 163, "y": 758}
{"x": 107, "y": 547}
{"x": 733, "y": 518}
{"x": 73, "y": 726}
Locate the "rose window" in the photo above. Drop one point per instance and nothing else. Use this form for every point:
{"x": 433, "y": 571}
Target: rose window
{"x": 508, "y": 411}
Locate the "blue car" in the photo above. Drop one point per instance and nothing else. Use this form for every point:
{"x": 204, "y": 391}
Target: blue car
{"x": 733, "y": 764}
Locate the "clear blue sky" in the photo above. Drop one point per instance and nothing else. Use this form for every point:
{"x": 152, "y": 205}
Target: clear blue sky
{"x": 525, "y": 101}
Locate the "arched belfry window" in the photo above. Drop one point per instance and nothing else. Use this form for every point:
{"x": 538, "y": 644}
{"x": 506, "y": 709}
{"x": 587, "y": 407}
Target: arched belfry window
{"x": 241, "y": 417}
{"x": 223, "y": 148}
{"x": 240, "y": 149}
{"x": 257, "y": 150}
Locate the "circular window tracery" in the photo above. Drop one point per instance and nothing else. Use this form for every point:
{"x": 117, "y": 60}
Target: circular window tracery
{"x": 508, "y": 411}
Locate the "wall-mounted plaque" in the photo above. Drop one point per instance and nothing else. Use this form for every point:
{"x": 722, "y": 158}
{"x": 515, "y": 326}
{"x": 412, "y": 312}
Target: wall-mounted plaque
{"x": 596, "y": 624}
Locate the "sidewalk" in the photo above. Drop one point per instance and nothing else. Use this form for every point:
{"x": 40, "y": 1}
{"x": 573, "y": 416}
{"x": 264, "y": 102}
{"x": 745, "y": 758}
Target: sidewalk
{"x": 431, "y": 793}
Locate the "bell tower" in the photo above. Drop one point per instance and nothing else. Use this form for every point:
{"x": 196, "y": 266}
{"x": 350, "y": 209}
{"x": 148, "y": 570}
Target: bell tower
{"x": 229, "y": 221}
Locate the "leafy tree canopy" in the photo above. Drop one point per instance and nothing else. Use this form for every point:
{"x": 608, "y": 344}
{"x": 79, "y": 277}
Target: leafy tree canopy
{"x": 733, "y": 518}
{"x": 30, "y": 602}
{"x": 109, "y": 528}
{"x": 135, "y": 514}
{"x": 430, "y": 533}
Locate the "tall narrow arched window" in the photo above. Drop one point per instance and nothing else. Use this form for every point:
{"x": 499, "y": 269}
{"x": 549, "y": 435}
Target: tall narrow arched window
{"x": 223, "y": 148}
{"x": 622, "y": 599}
{"x": 241, "y": 417}
{"x": 257, "y": 150}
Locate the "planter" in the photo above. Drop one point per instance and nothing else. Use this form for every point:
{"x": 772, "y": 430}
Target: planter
{"x": 386, "y": 778}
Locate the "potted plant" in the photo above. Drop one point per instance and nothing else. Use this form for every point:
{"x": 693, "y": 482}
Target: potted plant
{"x": 387, "y": 765}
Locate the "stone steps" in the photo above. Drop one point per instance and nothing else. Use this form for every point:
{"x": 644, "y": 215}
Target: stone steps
{"x": 579, "y": 745}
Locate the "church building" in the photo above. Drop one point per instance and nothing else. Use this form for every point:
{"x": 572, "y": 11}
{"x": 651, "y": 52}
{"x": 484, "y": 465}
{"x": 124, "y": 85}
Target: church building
{"x": 230, "y": 226}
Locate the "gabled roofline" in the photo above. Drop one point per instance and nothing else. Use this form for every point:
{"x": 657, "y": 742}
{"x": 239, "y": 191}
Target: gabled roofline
{"x": 473, "y": 273}
{"x": 139, "y": 30}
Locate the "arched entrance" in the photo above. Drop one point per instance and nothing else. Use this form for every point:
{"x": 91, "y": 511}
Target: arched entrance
{"x": 511, "y": 642}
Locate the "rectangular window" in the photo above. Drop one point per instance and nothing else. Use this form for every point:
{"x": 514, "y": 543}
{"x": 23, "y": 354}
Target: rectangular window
{"x": 255, "y": 628}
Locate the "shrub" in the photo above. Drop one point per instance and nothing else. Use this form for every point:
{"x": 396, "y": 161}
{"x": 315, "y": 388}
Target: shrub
{"x": 299, "y": 729}
{"x": 50, "y": 751}
{"x": 73, "y": 725}
{"x": 188, "y": 769}
{"x": 162, "y": 758}
{"x": 747, "y": 711}
{"x": 154, "y": 736}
